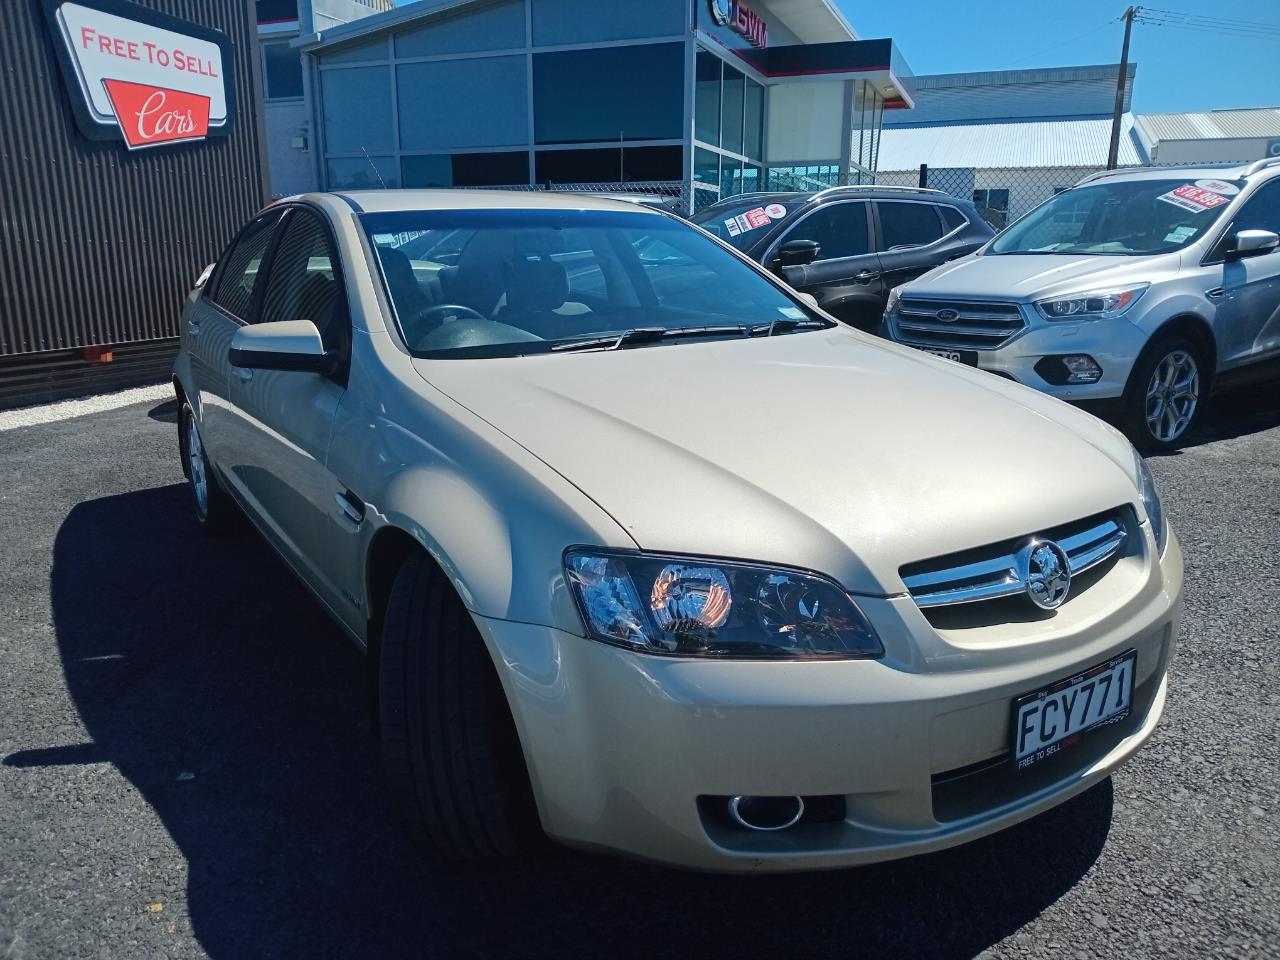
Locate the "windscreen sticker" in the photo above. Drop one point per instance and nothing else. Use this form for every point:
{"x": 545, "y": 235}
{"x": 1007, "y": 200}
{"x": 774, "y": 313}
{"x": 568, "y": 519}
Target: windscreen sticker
{"x": 791, "y": 313}
{"x": 1218, "y": 186}
{"x": 776, "y": 210}
{"x": 745, "y": 222}
{"x": 1193, "y": 198}
{"x": 1178, "y": 234}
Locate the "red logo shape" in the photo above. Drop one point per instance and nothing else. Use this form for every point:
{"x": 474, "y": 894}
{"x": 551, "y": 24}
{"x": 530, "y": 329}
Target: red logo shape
{"x": 150, "y": 115}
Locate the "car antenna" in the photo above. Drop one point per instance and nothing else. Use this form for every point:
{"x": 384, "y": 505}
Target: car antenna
{"x": 374, "y": 165}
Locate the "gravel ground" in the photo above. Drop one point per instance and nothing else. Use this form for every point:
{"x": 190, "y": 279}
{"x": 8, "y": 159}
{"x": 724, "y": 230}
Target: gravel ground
{"x": 186, "y": 767}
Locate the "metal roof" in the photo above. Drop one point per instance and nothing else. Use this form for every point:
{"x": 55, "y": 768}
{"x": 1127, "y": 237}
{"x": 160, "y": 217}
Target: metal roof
{"x": 1260, "y": 122}
{"x": 1041, "y": 143}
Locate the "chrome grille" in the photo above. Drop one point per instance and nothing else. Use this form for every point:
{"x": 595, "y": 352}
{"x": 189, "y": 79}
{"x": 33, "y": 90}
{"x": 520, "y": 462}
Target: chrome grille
{"x": 977, "y": 325}
{"x": 991, "y": 573}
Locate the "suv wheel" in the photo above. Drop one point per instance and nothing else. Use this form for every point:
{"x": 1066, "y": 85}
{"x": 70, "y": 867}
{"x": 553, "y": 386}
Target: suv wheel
{"x": 1165, "y": 394}
{"x": 212, "y": 505}
{"x": 449, "y": 744}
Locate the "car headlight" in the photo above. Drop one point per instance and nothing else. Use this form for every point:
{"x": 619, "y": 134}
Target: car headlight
{"x": 694, "y": 607}
{"x": 892, "y": 303}
{"x": 1151, "y": 502}
{"x": 1097, "y": 305}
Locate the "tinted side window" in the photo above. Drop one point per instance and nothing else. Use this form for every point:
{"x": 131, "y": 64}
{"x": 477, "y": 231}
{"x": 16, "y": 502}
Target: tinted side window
{"x": 237, "y": 275}
{"x": 840, "y": 229}
{"x": 304, "y": 284}
{"x": 952, "y": 217}
{"x": 1261, "y": 211}
{"x": 908, "y": 224}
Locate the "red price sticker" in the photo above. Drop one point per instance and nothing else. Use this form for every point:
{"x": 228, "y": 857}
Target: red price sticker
{"x": 1193, "y": 198}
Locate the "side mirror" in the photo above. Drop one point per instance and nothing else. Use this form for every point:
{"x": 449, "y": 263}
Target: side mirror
{"x": 808, "y": 298}
{"x": 1251, "y": 243}
{"x": 284, "y": 345}
{"x": 796, "y": 253}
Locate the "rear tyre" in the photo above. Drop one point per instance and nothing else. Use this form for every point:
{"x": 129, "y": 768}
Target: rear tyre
{"x": 1165, "y": 394}
{"x": 449, "y": 745}
{"x": 212, "y": 506}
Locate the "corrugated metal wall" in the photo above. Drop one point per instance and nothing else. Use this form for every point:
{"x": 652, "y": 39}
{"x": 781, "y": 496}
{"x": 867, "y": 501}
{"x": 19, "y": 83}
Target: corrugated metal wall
{"x": 99, "y": 246}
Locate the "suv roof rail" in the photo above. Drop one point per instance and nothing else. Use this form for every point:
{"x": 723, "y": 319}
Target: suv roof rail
{"x": 879, "y": 186}
{"x": 1260, "y": 165}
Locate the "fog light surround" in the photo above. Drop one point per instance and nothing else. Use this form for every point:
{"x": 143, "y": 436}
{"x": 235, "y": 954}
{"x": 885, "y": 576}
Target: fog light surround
{"x": 1069, "y": 369}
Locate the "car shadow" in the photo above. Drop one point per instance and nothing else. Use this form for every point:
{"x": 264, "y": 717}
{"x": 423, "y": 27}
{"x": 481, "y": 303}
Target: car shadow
{"x": 213, "y": 681}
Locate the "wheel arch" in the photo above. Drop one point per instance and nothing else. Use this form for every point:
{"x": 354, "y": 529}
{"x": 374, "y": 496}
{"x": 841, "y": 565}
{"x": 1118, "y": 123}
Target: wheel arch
{"x": 1198, "y": 331}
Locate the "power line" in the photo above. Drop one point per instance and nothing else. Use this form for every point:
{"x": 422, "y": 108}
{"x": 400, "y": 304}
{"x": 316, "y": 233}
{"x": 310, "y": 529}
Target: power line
{"x": 1058, "y": 46}
{"x": 1230, "y": 21}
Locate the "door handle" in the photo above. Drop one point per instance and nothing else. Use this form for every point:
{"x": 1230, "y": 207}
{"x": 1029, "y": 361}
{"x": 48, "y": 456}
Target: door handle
{"x": 244, "y": 373}
{"x": 865, "y": 276}
{"x": 1217, "y": 293}
{"x": 193, "y": 327}
{"x": 350, "y": 506}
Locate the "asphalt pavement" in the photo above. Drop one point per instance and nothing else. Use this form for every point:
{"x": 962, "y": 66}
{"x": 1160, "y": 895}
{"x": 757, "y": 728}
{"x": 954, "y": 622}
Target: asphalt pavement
{"x": 187, "y": 768}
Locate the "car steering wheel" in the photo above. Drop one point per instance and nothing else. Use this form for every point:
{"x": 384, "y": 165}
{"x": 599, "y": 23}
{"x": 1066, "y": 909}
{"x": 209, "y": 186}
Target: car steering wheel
{"x": 429, "y": 319}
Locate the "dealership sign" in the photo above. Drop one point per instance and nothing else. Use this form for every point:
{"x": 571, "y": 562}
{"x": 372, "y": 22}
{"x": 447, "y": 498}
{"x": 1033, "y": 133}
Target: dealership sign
{"x": 140, "y": 76}
{"x": 741, "y": 19}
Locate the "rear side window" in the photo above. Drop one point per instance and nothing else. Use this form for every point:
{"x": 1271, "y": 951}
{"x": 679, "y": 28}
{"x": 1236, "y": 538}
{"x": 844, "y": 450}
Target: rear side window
{"x": 908, "y": 224}
{"x": 304, "y": 284}
{"x": 952, "y": 217}
{"x": 237, "y": 275}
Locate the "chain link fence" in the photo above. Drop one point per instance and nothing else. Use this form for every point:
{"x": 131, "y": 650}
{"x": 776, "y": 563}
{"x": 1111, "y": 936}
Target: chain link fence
{"x": 1001, "y": 195}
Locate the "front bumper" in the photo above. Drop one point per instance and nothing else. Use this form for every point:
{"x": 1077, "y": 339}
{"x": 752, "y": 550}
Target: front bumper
{"x": 1113, "y": 344}
{"x": 620, "y": 746}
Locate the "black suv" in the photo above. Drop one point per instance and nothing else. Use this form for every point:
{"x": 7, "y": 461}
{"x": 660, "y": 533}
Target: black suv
{"x": 849, "y": 246}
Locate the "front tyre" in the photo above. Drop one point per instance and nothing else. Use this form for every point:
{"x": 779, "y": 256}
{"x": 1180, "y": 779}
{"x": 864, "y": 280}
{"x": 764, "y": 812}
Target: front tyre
{"x": 1165, "y": 395}
{"x": 449, "y": 745}
{"x": 211, "y": 504}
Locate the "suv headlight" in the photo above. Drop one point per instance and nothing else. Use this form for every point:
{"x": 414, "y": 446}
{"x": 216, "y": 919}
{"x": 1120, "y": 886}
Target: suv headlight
{"x": 1151, "y": 502}
{"x": 1097, "y": 305}
{"x": 694, "y": 607}
{"x": 892, "y": 303}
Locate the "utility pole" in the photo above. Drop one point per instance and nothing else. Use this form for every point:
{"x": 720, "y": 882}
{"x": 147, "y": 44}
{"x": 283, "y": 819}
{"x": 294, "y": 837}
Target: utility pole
{"x": 1113, "y": 152}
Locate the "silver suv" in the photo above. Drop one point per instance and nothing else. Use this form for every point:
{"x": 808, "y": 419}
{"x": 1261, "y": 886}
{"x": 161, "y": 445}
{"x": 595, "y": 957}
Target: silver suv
{"x": 1137, "y": 289}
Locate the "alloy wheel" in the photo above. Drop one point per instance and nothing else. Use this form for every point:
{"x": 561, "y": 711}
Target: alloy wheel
{"x": 196, "y": 464}
{"x": 1173, "y": 394}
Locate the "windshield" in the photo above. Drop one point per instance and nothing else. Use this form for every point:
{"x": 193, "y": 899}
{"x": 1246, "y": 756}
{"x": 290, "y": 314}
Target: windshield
{"x": 503, "y": 283}
{"x": 741, "y": 223}
{"x": 1120, "y": 218}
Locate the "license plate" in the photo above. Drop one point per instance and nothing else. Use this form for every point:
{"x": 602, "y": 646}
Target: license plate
{"x": 967, "y": 357}
{"x": 1048, "y": 721}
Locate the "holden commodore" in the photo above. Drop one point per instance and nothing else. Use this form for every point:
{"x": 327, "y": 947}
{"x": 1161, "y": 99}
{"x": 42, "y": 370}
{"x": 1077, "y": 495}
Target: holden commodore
{"x": 650, "y": 554}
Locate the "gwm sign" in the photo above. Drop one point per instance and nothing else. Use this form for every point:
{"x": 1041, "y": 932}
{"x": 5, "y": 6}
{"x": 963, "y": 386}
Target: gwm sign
{"x": 741, "y": 19}
{"x": 140, "y": 76}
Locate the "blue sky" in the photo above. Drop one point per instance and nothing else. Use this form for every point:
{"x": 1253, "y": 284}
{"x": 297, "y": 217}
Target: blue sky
{"x": 1178, "y": 69}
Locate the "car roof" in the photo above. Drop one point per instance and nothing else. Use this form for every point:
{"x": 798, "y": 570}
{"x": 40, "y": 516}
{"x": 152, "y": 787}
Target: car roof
{"x": 860, "y": 192}
{"x": 391, "y": 201}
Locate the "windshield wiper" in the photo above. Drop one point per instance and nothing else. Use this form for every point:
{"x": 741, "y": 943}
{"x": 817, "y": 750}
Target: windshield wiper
{"x": 783, "y": 325}
{"x": 638, "y": 335}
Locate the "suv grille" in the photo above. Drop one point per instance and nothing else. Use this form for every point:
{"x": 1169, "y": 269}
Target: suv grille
{"x": 977, "y": 325}
{"x": 989, "y": 573}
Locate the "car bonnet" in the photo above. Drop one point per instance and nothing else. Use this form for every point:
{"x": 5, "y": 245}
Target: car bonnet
{"x": 827, "y": 450}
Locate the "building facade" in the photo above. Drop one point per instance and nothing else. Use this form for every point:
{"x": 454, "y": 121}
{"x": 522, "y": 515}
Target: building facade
{"x": 713, "y": 96}
{"x": 133, "y": 152}
{"x": 1213, "y": 136}
{"x": 286, "y": 86}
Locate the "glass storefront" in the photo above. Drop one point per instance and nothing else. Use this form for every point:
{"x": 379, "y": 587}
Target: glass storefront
{"x": 728, "y": 126}
{"x": 526, "y": 92}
